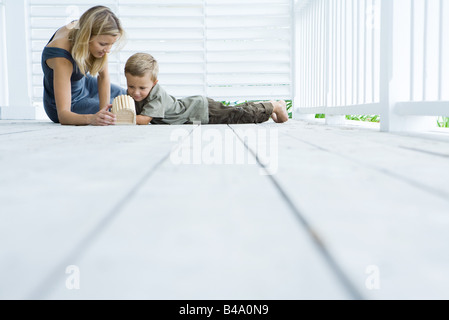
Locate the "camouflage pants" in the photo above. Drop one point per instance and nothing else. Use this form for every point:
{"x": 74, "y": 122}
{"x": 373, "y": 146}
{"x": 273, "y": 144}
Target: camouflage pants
{"x": 248, "y": 112}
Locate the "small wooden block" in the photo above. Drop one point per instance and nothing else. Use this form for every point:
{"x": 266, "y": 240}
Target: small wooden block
{"x": 124, "y": 108}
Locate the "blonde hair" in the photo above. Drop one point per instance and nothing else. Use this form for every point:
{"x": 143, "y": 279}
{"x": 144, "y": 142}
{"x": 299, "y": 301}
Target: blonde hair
{"x": 139, "y": 64}
{"x": 97, "y": 21}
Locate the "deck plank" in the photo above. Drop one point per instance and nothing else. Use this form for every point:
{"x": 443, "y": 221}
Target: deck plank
{"x": 60, "y": 184}
{"x": 371, "y": 200}
{"x": 103, "y": 199}
{"x": 205, "y": 231}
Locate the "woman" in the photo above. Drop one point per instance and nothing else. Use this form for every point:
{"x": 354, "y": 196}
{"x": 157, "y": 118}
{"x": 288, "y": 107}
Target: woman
{"x": 72, "y": 58}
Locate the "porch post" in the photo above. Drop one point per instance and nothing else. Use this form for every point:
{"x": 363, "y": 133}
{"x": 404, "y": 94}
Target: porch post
{"x": 3, "y": 80}
{"x": 18, "y": 104}
{"x": 394, "y": 27}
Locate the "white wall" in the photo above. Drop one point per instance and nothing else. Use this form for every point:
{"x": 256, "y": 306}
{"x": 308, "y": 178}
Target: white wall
{"x": 226, "y": 49}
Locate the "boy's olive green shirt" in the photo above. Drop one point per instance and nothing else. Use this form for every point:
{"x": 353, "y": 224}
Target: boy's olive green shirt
{"x": 166, "y": 109}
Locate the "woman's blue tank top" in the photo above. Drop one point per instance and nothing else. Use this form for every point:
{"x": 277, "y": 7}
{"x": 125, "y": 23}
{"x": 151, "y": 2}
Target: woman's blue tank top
{"x": 79, "y": 88}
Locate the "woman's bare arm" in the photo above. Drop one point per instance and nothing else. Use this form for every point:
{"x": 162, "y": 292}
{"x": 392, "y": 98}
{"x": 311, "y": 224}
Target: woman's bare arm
{"x": 63, "y": 96}
{"x": 62, "y": 69}
{"x": 104, "y": 87}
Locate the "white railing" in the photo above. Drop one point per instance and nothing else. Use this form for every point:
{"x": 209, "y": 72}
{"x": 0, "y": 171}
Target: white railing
{"x": 389, "y": 58}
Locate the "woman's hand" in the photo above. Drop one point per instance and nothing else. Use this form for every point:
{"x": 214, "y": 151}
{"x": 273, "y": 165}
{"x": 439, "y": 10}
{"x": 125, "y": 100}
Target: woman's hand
{"x": 104, "y": 117}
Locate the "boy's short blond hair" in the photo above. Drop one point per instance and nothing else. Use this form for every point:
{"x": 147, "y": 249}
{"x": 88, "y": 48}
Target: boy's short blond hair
{"x": 139, "y": 64}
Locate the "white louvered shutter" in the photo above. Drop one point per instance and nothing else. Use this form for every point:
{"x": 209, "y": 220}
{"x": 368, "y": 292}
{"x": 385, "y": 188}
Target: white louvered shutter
{"x": 248, "y": 49}
{"x": 173, "y": 32}
{"x": 228, "y": 50}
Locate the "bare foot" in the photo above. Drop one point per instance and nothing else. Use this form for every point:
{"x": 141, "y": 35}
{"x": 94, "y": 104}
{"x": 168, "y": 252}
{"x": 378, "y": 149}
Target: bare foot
{"x": 274, "y": 117}
{"x": 280, "y": 111}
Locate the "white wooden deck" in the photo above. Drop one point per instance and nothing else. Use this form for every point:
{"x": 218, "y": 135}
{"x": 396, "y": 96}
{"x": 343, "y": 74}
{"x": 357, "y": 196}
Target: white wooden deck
{"x": 344, "y": 213}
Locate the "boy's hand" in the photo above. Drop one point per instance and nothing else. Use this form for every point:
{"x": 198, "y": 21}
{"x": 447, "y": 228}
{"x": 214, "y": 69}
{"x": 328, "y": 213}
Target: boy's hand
{"x": 143, "y": 120}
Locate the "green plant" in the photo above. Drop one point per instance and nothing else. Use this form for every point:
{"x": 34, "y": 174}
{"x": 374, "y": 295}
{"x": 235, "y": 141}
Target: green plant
{"x": 289, "y": 108}
{"x": 365, "y": 118}
{"x": 443, "y": 122}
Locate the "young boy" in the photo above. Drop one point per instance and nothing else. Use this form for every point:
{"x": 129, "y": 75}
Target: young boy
{"x": 154, "y": 105}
